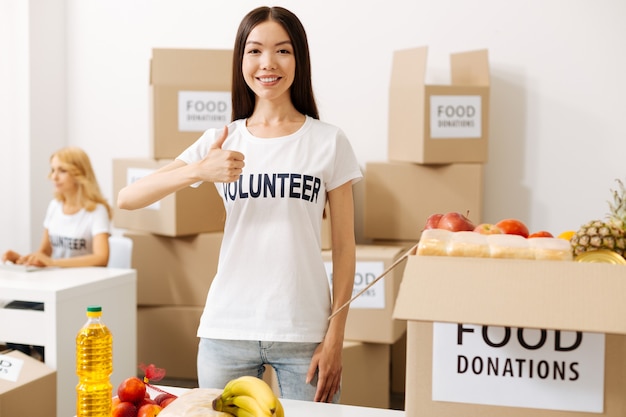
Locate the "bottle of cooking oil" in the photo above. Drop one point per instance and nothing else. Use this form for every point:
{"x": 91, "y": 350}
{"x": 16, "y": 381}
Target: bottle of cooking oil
{"x": 94, "y": 365}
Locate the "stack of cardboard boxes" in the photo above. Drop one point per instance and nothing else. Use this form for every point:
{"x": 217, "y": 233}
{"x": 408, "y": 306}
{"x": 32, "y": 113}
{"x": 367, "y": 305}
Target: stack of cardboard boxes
{"x": 485, "y": 337}
{"x": 437, "y": 147}
{"x": 176, "y": 241}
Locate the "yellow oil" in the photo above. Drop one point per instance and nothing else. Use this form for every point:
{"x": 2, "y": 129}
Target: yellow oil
{"x": 94, "y": 365}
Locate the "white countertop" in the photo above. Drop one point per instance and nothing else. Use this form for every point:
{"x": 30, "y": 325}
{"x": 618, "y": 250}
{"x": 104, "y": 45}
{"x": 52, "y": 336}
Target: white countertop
{"x": 294, "y": 408}
{"x": 57, "y": 281}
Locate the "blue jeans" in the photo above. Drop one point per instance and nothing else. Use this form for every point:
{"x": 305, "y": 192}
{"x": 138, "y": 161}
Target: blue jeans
{"x": 219, "y": 361}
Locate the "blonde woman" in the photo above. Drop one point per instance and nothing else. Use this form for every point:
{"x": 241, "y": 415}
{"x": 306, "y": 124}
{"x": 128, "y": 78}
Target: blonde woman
{"x": 78, "y": 219}
{"x": 76, "y": 226}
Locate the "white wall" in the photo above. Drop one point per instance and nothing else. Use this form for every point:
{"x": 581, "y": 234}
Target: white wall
{"x": 32, "y": 113}
{"x": 14, "y": 221}
{"x": 557, "y": 137}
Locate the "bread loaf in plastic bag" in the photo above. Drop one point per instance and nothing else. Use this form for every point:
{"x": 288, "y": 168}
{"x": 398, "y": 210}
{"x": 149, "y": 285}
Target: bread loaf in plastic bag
{"x": 197, "y": 402}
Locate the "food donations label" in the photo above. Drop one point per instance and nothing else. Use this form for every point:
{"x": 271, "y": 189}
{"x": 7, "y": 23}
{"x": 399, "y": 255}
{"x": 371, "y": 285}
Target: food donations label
{"x": 201, "y": 110}
{"x": 516, "y": 367}
{"x": 10, "y": 368}
{"x": 455, "y": 117}
{"x": 365, "y": 273}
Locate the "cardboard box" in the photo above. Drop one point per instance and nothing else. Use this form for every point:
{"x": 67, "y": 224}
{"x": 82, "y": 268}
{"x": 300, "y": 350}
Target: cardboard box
{"x": 166, "y": 337}
{"x": 365, "y": 377}
{"x": 370, "y": 317}
{"x": 31, "y": 391}
{"x": 399, "y": 196}
{"x": 434, "y": 124}
{"x": 186, "y": 212}
{"x": 174, "y": 271}
{"x": 555, "y": 296}
{"x": 189, "y": 93}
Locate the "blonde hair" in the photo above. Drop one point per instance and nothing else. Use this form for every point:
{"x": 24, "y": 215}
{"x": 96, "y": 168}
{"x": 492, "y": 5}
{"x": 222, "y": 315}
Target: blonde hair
{"x": 77, "y": 163}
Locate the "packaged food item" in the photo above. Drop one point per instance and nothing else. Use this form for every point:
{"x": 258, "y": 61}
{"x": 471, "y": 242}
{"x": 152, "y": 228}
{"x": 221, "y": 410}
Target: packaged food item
{"x": 509, "y": 246}
{"x": 197, "y": 402}
{"x": 434, "y": 242}
{"x": 551, "y": 248}
{"x": 469, "y": 244}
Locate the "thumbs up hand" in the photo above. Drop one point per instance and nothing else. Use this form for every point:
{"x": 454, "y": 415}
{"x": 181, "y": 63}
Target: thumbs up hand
{"x": 221, "y": 165}
{"x": 220, "y": 141}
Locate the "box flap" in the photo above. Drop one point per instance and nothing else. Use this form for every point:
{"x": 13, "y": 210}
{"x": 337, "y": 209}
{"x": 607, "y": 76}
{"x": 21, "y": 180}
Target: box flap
{"x": 470, "y": 68}
{"x": 194, "y": 67}
{"x": 558, "y": 295}
{"x": 32, "y": 370}
{"x": 406, "y": 96}
{"x": 409, "y": 66}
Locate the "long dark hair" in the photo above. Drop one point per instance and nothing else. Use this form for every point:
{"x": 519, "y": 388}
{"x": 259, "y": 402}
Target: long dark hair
{"x": 301, "y": 90}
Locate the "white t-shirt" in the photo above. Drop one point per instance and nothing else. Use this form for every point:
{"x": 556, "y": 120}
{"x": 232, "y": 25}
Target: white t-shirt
{"x": 72, "y": 234}
{"x": 271, "y": 283}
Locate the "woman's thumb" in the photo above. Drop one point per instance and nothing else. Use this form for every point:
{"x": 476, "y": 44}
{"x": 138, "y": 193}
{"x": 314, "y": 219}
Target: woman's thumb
{"x": 220, "y": 140}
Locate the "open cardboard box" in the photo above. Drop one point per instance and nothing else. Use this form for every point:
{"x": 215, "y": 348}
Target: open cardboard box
{"x": 433, "y": 124}
{"x": 554, "y": 295}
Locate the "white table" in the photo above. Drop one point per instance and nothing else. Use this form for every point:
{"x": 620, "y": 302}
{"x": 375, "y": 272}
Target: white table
{"x": 294, "y": 408}
{"x": 66, "y": 293}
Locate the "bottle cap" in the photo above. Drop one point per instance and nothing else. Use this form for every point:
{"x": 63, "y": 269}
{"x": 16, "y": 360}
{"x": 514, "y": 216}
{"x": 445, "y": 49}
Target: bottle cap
{"x": 94, "y": 309}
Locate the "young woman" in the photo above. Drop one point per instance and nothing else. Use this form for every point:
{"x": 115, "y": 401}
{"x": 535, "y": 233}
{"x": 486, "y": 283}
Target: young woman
{"x": 77, "y": 222}
{"x": 270, "y": 301}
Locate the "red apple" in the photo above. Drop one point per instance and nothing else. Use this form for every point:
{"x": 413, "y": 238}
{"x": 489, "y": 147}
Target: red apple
{"x": 487, "y": 229}
{"x": 541, "y": 233}
{"x": 455, "y": 222}
{"x": 513, "y": 227}
{"x": 149, "y": 410}
{"x": 432, "y": 221}
{"x": 132, "y": 390}
{"x": 124, "y": 409}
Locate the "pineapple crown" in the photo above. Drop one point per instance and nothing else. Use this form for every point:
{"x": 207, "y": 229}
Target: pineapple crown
{"x": 617, "y": 215}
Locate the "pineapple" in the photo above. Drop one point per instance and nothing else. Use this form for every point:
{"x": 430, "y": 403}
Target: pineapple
{"x": 605, "y": 234}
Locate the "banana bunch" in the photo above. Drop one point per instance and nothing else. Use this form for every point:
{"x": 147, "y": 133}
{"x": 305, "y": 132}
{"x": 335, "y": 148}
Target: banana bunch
{"x": 248, "y": 396}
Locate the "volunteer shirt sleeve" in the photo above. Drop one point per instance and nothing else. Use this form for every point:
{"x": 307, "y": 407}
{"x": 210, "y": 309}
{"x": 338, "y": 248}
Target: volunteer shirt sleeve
{"x": 101, "y": 222}
{"x": 346, "y": 166}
